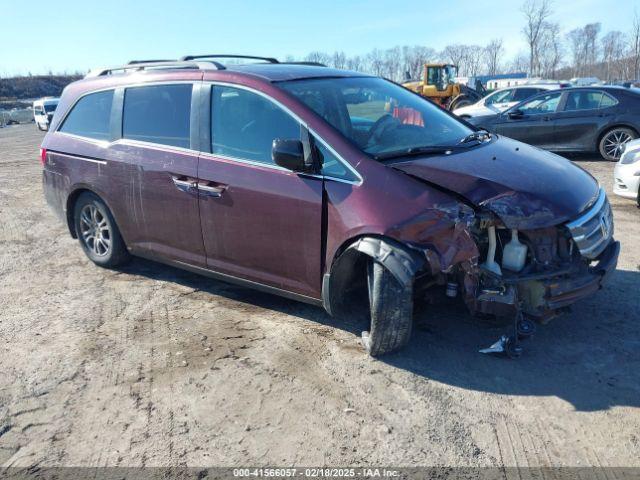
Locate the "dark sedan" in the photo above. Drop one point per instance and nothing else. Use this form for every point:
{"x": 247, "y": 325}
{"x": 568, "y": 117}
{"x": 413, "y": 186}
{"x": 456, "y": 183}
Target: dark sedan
{"x": 581, "y": 119}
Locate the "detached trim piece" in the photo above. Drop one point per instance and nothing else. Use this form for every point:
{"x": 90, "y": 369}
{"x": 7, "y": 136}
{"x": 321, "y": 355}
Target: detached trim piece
{"x": 399, "y": 259}
{"x": 394, "y": 256}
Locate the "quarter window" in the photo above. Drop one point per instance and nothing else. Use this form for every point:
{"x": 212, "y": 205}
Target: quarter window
{"x": 91, "y": 116}
{"x": 607, "y": 101}
{"x": 158, "y": 114}
{"x": 331, "y": 166}
{"x": 245, "y": 124}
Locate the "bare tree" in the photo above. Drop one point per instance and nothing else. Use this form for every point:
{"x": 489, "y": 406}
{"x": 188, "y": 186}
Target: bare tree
{"x": 493, "y": 55}
{"x": 375, "y": 62}
{"x": 551, "y": 50}
{"x": 576, "y": 38}
{"x": 635, "y": 45}
{"x": 536, "y": 13}
{"x": 613, "y": 53}
{"x": 520, "y": 63}
{"x": 339, "y": 60}
{"x": 318, "y": 57}
{"x": 355, "y": 63}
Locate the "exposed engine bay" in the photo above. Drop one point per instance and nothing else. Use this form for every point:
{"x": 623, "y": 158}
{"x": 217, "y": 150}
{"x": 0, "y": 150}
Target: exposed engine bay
{"x": 534, "y": 275}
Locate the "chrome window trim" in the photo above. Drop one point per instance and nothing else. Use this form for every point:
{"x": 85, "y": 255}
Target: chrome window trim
{"x": 131, "y": 142}
{"x": 316, "y": 136}
{"x": 81, "y": 158}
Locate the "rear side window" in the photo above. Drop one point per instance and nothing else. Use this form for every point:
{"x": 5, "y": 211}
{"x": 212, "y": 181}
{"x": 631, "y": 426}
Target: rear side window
{"x": 91, "y": 116}
{"x": 158, "y": 114}
{"x": 583, "y": 100}
{"x": 524, "y": 93}
{"x": 245, "y": 124}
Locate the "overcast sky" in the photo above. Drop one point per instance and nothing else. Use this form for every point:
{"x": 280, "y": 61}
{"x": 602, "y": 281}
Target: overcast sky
{"x": 69, "y": 35}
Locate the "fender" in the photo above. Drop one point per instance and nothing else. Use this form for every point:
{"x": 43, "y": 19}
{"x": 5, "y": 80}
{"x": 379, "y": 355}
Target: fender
{"x": 401, "y": 260}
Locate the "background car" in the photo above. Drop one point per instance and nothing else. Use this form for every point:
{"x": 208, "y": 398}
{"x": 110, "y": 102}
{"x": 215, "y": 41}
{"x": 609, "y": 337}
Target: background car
{"x": 502, "y": 99}
{"x": 626, "y": 175}
{"x": 43, "y": 111}
{"x": 580, "y": 119}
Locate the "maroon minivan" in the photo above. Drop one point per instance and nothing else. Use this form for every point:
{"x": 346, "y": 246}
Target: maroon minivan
{"x": 326, "y": 186}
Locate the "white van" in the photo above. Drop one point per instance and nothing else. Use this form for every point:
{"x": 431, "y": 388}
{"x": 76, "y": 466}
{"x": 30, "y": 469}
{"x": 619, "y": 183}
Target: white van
{"x": 43, "y": 111}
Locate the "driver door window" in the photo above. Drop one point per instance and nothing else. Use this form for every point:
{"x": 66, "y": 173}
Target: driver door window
{"x": 244, "y": 124}
{"x": 543, "y": 104}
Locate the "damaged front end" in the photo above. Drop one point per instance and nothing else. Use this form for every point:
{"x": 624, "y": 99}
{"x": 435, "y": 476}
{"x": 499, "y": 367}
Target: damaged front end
{"x": 527, "y": 274}
{"x": 541, "y": 272}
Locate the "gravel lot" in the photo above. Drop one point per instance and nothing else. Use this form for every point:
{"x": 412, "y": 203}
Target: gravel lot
{"x": 154, "y": 366}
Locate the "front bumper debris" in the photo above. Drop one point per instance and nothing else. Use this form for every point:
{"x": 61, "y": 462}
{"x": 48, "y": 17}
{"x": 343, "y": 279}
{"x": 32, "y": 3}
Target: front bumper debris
{"x": 543, "y": 295}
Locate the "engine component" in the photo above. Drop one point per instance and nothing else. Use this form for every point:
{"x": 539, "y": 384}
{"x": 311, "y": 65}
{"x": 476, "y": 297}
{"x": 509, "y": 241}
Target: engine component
{"x": 514, "y": 253}
{"x": 490, "y": 264}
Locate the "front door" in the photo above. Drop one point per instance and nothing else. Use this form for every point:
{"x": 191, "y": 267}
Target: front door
{"x": 156, "y": 138}
{"x": 532, "y": 122}
{"x": 260, "y": 222}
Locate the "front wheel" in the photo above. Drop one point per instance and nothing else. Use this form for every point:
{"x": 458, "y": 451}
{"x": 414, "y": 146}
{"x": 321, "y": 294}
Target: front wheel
{"x": 391, "y": 306}
{"x": 612, "y": 143}
{"x": 98, "y": 233}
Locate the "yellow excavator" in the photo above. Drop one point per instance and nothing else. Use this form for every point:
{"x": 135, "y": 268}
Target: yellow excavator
{"x": 438, "y": 83}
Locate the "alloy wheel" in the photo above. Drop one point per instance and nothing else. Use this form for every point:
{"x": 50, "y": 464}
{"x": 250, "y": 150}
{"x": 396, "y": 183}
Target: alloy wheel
{"x": 95, "y": 230}
{"x": 614, "y": 143}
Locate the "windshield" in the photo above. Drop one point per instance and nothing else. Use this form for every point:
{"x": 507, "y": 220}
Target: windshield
{"x": 378, "y": 116}
{"x": 50, "y": 107}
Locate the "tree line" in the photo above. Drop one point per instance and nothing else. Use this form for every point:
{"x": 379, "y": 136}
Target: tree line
{"x": 34, "y": 86}
{"x": 551, "y": 52}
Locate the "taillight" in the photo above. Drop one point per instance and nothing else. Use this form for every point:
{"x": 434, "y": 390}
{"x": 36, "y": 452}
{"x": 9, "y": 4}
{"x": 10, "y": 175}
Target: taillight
{"x": 43, "y": 156}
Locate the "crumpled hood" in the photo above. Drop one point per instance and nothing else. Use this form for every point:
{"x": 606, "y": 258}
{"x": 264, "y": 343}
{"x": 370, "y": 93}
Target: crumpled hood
{"x": 526, "y": 187}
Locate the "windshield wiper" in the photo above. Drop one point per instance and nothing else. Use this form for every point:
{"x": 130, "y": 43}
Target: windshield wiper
{"x": 478, "y": 135}
{"x": 408, "y": 152}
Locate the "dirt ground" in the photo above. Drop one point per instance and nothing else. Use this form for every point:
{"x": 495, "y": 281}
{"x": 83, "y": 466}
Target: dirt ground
{"x": 154, "y": 366}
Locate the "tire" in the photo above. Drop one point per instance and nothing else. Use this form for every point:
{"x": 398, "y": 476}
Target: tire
{"x": 391, "y": 307}
{"x": 98, "y": 233}
{"x": 463, "y": 102}
{"x": 610, "y": 145}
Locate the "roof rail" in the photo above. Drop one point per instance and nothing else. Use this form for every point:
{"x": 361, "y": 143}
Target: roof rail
{"x": 171, "y": 64}
{"x": 312, "y": 64}
{"x": 135, "y": 62}
{"x": 247, "y": 57}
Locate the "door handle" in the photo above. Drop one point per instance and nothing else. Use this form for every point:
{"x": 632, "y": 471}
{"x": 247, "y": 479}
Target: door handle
{"x": 184, "y": 184}
{"x": 211, "y": 190}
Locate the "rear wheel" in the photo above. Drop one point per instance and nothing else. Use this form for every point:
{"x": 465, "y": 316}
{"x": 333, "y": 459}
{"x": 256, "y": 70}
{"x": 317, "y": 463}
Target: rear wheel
{"x": 612, "y": 143}
{"x": 391, "y": 306}
{"x": 98, "y": 233}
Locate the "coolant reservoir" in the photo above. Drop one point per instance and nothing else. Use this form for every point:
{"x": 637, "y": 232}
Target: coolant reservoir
{"x": 514, "y": 253}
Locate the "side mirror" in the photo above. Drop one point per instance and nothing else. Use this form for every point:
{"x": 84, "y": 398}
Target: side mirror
{"x": 515, "y": 113}
{"x": 288, "y": 153}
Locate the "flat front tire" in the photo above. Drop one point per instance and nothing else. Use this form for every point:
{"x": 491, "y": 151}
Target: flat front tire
{"x": 391, "y": 307}
{"x": 98, "y": 233}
